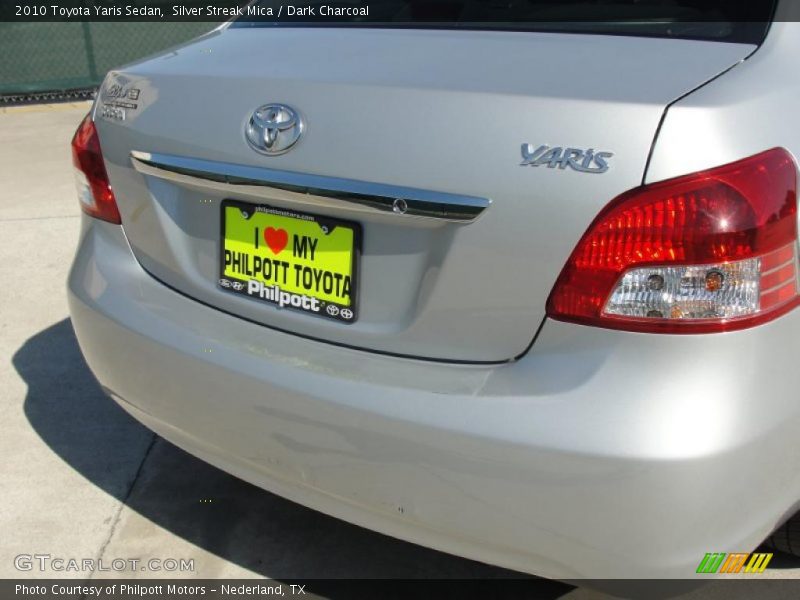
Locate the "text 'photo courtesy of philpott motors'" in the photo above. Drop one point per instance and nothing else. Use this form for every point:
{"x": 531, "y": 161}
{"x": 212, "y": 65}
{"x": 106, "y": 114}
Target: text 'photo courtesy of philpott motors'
{"x": 291, "y": 260}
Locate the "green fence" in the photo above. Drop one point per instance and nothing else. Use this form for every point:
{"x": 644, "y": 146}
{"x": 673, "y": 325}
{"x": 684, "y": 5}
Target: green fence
{"x": 40, "y": 57}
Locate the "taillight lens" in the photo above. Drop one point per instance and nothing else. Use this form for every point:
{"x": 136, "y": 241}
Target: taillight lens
{"x": 94, "y": 190}
{"x": 711, "y": 251}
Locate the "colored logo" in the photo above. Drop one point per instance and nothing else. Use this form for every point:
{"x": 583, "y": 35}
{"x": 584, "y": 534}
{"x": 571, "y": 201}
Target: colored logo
{"x": 276, "y": 239}
{"x": 720, "y": 562}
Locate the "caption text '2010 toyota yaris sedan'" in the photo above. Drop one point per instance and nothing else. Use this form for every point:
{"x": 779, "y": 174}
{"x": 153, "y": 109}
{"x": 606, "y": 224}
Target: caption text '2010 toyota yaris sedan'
{"x": 525, "y": 295}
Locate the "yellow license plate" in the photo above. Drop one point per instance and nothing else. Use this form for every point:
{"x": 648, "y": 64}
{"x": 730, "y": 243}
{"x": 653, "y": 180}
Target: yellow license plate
{"x": 291, "y": 260}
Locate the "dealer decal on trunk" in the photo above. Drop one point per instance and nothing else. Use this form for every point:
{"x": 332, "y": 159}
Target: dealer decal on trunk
{"x": 290, "y": 259}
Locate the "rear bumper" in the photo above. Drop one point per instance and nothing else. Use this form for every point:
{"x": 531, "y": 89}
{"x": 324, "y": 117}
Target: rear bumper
{"x": 599, "y": 454}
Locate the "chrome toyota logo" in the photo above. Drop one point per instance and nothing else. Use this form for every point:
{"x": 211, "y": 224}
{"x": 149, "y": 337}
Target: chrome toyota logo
{"x": 273, "y": 129}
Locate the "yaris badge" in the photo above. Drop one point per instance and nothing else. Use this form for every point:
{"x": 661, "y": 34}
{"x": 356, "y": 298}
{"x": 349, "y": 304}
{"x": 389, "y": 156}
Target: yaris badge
{"x": 577, "y": 159}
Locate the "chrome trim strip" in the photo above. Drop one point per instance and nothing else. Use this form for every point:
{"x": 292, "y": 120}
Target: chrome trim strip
{"x": 311, "y": 189}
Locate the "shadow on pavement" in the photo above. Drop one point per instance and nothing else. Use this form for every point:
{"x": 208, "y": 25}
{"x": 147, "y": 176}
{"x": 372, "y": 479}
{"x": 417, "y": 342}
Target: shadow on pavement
{"x": 191, "y": 499}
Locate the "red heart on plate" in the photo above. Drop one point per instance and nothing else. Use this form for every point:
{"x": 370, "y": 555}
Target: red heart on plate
{"x": 276, "y": 239}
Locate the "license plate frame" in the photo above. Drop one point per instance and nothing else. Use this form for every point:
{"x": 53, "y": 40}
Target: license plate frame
{"x": 270, "y": 292}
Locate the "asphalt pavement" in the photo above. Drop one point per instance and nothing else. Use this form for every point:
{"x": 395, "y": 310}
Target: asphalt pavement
{"x": 81, "y": 479}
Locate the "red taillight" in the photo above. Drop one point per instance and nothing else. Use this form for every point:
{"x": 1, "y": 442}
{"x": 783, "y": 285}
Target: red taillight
{"x": 94, "y": 189}
{"x": 711, "y": 251}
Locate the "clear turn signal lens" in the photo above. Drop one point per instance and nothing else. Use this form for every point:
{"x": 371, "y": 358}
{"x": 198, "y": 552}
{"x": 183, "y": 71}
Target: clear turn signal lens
{"x": 717, "y": 291}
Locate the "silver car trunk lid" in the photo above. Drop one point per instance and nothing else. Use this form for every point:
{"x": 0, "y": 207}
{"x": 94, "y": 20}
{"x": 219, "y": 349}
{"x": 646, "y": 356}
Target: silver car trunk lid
{"x": 437, "y": 118}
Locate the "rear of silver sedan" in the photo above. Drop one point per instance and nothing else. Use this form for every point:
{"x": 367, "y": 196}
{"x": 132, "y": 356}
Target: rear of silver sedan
{"x": 573, "y": 359}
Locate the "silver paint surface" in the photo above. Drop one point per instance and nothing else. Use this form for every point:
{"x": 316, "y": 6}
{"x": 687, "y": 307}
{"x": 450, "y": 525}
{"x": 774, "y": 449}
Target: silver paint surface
{"x": 595, "y": 453}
